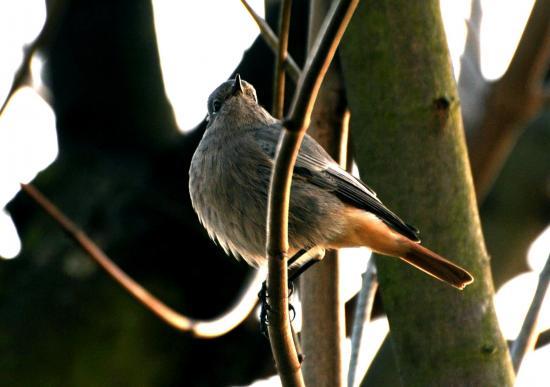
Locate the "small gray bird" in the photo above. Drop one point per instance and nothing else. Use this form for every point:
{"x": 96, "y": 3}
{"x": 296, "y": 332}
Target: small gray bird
{"x": 329, "y": 208}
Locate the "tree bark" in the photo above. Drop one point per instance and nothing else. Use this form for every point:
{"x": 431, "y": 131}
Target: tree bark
{"x": 410, "y": 147}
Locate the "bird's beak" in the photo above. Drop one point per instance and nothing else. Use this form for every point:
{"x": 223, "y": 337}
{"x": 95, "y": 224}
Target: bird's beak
{"x": 237, "y": 85}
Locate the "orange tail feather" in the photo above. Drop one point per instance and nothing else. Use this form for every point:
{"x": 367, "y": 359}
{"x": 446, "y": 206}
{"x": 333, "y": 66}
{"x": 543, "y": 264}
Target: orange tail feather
{"x": 437, "y": 266}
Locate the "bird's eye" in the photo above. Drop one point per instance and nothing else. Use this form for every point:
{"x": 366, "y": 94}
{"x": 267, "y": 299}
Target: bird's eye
{"x": 216, "y": 105}
{"x": 252, "y": 94}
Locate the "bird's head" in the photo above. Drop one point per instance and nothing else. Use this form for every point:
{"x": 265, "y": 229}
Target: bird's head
{"x": 229, "y": 96}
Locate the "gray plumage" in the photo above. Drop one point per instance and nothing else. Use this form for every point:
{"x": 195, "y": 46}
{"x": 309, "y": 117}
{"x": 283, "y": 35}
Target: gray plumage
{"x": 230, "y": 172}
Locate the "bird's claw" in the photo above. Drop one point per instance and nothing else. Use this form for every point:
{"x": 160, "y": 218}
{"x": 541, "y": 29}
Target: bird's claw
{"x": 265, "y": 308}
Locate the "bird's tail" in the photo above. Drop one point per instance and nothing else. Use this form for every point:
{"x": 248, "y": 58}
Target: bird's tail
{"x": 436, "y": 266}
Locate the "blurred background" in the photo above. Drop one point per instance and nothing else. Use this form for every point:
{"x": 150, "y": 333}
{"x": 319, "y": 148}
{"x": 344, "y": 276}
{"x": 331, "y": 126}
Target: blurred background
{"x": 106, "y": 127}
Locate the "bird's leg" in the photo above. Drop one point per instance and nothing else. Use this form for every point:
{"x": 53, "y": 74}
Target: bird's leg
{"x": 292, "y": 262}
{"x": 296, "y": 257}
{"x": 297, "y": 272}
{"x": 264, "y": 309}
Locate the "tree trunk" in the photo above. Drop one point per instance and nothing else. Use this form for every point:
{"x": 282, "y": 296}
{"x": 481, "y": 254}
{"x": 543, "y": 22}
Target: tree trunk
{"x": 409, "y": 141}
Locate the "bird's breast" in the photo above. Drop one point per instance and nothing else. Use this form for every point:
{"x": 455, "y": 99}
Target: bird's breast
{"x": 229, "y": 194}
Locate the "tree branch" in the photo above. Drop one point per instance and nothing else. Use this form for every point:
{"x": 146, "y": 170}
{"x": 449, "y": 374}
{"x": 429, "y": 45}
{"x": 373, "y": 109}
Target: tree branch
{"x": 282, "y": 55}
{"x": 273, "y": 42}
{"x": 322, "y": 305}
{"x": 331, "y": 32}
{"x": 23, "y": 73}
{"x": 363, "y": 311}
{"x": 527, "y": 336}
{"x": 543, "y": 339}
{"x": 200, "y": 329}
{"x": 472, "y": 86}
{"x": 512, "y": 100}
{"x": 279, "y": 190}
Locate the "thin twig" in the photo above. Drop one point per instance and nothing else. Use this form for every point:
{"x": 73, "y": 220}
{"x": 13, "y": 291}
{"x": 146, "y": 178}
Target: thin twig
{"x": 273, "y": 42}
{"x": 472, "y": 86}
{"x": 282, "y": 54}
{"x": 527, "y": 336}
{"x": 363, "y": 310}
{"x": 22, "y": 74}
{"x": 279, "y": 191}
{"x": 200, "y": 329}
{"x": 308, "y": 87}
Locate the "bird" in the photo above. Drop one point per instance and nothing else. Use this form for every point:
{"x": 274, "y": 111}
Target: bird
{"x": 329, "y": 208}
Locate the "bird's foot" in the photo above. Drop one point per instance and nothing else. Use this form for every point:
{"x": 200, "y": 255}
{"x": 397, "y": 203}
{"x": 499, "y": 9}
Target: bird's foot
{"x": 265, "y": 308}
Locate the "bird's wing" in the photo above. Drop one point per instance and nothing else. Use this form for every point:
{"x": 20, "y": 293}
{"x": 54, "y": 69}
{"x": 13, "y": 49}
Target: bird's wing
{"x": 316, "y": 166}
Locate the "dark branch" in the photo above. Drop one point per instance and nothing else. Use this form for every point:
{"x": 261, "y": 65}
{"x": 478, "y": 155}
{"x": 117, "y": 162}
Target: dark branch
{"x": 23, "y": 73}
{"x": 544, "y": 339}
{"x": 200, "y": 329}
{"x": 512, "y": 100}
{"x": 273, "y": 42}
